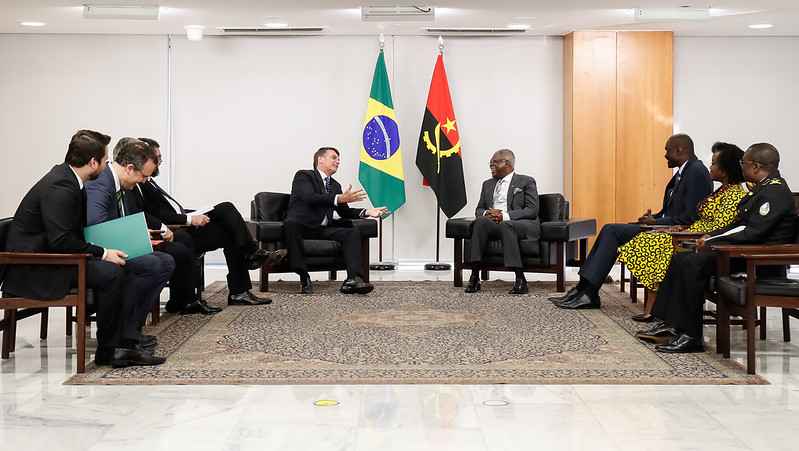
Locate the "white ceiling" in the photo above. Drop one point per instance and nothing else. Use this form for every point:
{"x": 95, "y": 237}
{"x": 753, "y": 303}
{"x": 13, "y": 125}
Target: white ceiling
{"x": 545, "y": 17}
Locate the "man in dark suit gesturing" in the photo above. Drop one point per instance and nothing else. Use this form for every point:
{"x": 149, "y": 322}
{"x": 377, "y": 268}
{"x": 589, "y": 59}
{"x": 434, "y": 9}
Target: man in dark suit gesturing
{"x": 689, "y": 185}
{"x": 507, "y": 211}
{"x": 318, "y": 209}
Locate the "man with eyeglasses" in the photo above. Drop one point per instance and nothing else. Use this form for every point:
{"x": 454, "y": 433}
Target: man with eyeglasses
{"x": 766, "y": 216}
{"x": 689, "y": 185}
{"x": 507, "y": 211}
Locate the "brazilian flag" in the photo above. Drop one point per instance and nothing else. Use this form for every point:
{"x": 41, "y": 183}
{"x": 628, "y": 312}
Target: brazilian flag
{"x": 380, "y": 171}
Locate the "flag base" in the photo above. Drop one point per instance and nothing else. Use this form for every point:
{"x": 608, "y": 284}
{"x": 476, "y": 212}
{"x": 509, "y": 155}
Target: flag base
{"x": 382, "y": 266}
{"x": 437, "y": 266}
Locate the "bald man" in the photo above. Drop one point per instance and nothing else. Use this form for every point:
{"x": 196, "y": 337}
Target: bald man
{"x": 507, "y": 211}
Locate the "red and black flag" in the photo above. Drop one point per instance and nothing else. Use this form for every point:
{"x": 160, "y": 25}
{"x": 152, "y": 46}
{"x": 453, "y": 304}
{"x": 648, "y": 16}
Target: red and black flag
{"x": 438, "y": 155}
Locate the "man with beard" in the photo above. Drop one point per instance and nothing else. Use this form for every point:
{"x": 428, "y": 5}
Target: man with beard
{"x": 689, "y": 185}
{"x": 50, "y": 219}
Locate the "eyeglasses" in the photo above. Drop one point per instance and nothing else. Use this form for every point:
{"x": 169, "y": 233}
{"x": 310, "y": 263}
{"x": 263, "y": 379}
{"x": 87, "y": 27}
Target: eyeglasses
{"x": 497, "y": 162}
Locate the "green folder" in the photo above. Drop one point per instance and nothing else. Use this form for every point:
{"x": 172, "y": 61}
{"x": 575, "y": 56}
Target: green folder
{"x": 127, "y": 234}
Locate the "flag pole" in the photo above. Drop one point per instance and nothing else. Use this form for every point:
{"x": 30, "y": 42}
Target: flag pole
{"x": 381, "y": 265}
{"x": 438, "y": 265}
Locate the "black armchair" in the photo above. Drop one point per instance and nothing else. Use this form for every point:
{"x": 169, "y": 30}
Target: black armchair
{"x": 561, "y": 237}
{"x": 267, "y": 213}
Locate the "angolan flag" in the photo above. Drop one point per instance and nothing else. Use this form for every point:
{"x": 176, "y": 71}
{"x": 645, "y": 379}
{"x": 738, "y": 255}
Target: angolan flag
{"x": 380, "y": 171}
{"x": 438, "y": 155}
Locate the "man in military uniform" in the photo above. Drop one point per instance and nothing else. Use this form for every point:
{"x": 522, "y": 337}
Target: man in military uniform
{"x": 766, "y": 216}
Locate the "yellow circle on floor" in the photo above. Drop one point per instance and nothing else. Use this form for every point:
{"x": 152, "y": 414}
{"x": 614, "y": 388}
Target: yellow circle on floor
{"x": 325, "y": 403}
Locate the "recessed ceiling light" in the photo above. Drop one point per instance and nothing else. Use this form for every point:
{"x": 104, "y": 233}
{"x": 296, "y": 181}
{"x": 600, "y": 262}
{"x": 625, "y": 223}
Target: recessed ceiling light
{"x": 276, "y": 25}
{"x": 194, "y": 32}
{"x": 760, "y": 26}
{"x": 32, "y": 24}
{"x": 519, "y": 26}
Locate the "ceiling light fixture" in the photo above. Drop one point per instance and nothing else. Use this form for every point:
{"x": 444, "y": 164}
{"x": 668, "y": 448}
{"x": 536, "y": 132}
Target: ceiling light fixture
{"x": 111, "y": 11}
{"x": 760, "y": 26}
{"x": 194, "y": 32}
{"x": 32, "y": 24}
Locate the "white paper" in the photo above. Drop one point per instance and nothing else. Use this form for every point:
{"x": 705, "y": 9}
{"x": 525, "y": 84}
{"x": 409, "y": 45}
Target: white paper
{"x": 732, "y": 231}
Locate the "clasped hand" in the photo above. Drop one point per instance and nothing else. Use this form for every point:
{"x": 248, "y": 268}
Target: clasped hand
{"x": 494, "y": 215}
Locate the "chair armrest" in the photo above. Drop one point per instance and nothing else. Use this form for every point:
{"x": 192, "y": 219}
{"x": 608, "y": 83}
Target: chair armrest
{"x": 367, "y": 227}
{"x": 31, "y": 258}
{"x": 569, "y": 230}
{"x": 739, "y": 250}
{"x": 266, "y": 231}
{"x": 459, "y": 228}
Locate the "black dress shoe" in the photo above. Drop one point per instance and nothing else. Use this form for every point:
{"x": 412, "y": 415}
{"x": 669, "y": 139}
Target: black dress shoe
{"x": 657, "y": 335}
{"x": 682, "y": 344}
{"x": 643, "y": 318}
{"x": 656, "y": 324}
{"x": 103, "y": 356}
{"x": 473, "y": 286}
{"x": 198, "y": 307}
{"x": 356, "y": 285}
{"x": 262, "y": 257}
{"x": 124, "y": 357}
{"x": 581, "y": 301}
{"x": 209, "y": 307}
{"x": 569, "y": 294}
{"x": 246, "y": 298}
{"x": 148, "y": 341}
{"x": 519, "y": 287}
{"x": 306, "y": 287}
{"x": 172, "y": 306}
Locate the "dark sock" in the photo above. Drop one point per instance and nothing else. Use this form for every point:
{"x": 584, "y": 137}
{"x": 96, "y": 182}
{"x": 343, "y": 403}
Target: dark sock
{"x": 129, "y": 344}
{"x": 475, "y": 275}
{"x": 588, "y": 287}
{"x": 520, "y": 275}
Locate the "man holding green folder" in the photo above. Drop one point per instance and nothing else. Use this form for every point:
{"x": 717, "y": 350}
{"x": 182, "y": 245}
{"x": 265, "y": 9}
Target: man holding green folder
{"x": 146, "y": 275}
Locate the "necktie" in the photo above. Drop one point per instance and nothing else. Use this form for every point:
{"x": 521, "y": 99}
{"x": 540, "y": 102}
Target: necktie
{"x": 329, "y": 213}
{"x": 498, "y": 190}
{"x": 165, "y": 194}
{"x": 120, "y": 203}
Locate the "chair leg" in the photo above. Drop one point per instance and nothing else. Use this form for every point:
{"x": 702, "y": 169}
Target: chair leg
{"x": 786, "y": 326}
{"x": 43, "y": 324}
{"x": 365, "y": 259}
{"x": 484, "y": 274}
{"x": 458, "y": 268}
{"x": 750, "y": 342}
{"x": 561, "y": 264}
{"x": 69, "y": 322}
{"x": 10, "y": 319}
{"x": 762, "y": 323}
{"x": 332, "y": 275}
{"x": 723, "y": 330}
{"x": 13, "y": 325}
{"x": 633, "y": 289}
{"x": 264, "y": 280}
{"x": 155, "y": 313}
{"x": 621, "y": 278}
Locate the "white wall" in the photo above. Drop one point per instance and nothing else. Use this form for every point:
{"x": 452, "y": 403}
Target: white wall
{"x": 53, "y": 85}
{"x": 740, "y": 90}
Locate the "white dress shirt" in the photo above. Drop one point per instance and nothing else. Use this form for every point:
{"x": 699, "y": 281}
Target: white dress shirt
{"x": 501, "y": 195}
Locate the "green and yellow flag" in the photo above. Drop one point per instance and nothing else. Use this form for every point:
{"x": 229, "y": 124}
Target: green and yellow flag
{"x": 380, "y": 172}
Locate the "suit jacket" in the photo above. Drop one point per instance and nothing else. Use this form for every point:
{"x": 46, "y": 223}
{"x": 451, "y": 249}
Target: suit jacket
{"x": 767, "y": 213}
{"x": 522, "y": 202}
{"x": 101, "y": 201}
{"x": 681, "y": 207}
{"x": 309, "y": 202}
{"x": 50, "y": 219}
{"x": 157, "y": 208}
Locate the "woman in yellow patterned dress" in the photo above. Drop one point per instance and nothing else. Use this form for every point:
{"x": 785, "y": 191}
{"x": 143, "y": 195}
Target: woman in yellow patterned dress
{"x": 648, "y": 255}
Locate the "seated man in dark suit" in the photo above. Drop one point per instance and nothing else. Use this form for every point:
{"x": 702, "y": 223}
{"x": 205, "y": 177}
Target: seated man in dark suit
{"x": 221, "y": 228}
{"x": 766, "y": 216}
{"x": 689, "y": 185}
{"x": 507, "y": 211}
{"x": 50, "y": 219}
{"x": 318, "y": 209}
{"x": 146, "y": 275}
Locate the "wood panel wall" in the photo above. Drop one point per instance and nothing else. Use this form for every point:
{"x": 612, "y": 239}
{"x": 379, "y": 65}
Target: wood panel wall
{"x": 617, "y": 116}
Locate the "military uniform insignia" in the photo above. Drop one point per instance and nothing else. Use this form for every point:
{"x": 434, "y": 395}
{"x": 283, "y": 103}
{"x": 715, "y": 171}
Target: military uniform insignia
{"x": 764, "y": 209}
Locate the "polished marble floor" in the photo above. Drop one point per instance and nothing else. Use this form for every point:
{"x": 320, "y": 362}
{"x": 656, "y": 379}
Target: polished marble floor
{"x": 38, "y": 412}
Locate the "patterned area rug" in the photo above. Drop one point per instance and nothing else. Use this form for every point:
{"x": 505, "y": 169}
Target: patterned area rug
{"x": 414, "y": 332}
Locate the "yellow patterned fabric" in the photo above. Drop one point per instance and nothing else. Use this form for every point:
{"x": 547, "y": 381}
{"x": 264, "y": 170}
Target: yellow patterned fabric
{"x": 648, "y": 254}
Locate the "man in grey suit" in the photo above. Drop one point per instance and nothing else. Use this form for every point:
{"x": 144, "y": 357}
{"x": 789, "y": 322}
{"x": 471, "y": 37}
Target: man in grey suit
{"x": 507, "y": 211}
